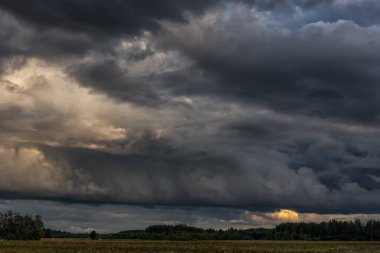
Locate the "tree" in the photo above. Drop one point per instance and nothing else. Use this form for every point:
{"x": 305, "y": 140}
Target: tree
{"x": 93, "y": 235}
{"x": 14, "y": 226}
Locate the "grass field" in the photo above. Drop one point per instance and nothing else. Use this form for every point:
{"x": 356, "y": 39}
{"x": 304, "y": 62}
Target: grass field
{"x": 104, "y": 246}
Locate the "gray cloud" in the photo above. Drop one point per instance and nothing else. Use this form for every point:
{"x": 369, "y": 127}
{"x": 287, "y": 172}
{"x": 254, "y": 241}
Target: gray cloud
{"x": 107, "y": 18}
{"x": 106, "y": 76}
{"x": 318, "y": 69}
{"x": 255, "y": 104}
{"x": 204, "y": 153}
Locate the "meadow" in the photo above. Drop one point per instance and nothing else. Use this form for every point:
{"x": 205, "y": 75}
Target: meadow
{"x": 135, "y": 246}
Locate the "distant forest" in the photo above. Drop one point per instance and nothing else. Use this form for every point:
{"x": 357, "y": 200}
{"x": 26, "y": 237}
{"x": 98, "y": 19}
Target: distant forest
{"x": 332, "y": 230}
{"x": 14, "y": 226}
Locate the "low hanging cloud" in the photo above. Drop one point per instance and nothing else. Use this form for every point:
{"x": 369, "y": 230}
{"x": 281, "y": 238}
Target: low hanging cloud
{"x": 76, "y": 217}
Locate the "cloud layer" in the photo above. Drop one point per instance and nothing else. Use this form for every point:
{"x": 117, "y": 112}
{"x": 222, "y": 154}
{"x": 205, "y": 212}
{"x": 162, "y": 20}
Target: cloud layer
{"x": 255, "y": 104}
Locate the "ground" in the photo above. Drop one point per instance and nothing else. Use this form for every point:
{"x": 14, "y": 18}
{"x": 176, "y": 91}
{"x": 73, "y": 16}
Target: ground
{"x": 107, "y": 246}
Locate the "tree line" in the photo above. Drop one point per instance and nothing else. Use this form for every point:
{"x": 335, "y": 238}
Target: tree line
{"x": 184, "y": 233}
{"x": 331, "y": 230}
{"x": 14, "y": 226}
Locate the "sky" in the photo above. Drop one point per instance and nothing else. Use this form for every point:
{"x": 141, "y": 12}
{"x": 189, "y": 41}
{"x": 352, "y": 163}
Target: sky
{"x": 117, "y": 115}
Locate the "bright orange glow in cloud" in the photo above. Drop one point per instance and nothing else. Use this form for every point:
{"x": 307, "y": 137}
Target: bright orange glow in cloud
{"x": 285, "y": 215}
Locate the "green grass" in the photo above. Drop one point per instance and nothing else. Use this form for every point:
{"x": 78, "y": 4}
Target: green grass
{"x": 106, "y": 246}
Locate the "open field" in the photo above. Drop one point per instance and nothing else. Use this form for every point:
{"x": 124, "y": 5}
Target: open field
{"x": 106, "y": 246}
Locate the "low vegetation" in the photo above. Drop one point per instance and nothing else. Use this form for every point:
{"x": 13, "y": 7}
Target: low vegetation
{"x": 130, "y": 246}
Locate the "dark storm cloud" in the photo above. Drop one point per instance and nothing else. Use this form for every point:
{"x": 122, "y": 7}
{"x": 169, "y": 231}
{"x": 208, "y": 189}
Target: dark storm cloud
{"x": 260, "y": 104}
{"x": 56, "y": 30}
{"x": 108, "y": 77}
{"x": 336, "y": 156}
{"x": 312, "y": 70}
{"x": 321, "y": 69}
{"x": 95, "y": 16}
{"x": 151, "y": 175}
{"x": 20, "y": 40}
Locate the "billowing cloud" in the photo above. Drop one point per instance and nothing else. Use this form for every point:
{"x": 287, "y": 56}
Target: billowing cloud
{"x": 114, "y": 17}
{"x": 254, "y": 105}
{"x": 318, "y": 69}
